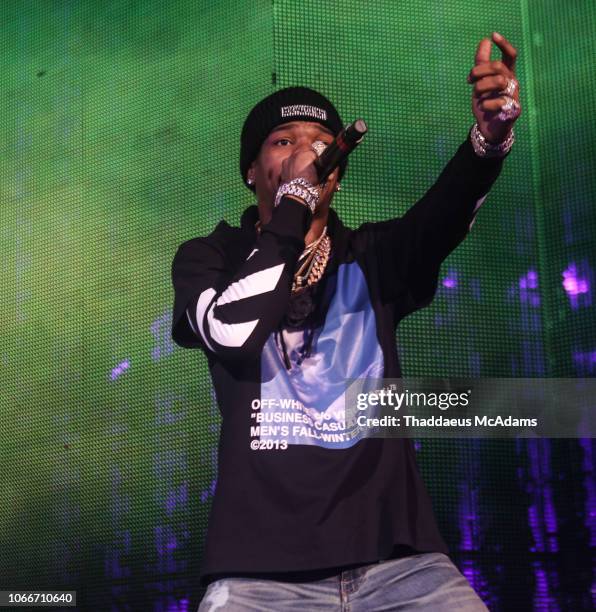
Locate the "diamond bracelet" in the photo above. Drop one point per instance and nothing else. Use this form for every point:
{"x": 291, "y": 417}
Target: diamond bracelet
{"x": 483, "y": 148}
{"x": 302, "y": 189}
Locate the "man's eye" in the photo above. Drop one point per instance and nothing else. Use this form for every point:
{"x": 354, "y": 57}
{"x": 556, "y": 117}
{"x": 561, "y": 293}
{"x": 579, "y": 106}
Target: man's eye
{"x": 281, "y": 140}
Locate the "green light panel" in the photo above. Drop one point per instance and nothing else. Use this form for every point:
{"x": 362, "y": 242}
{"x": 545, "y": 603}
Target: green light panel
{"x": 121, "y": 141}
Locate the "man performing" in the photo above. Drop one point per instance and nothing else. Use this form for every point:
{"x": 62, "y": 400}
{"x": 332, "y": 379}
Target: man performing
{"x": 307, "y": 514}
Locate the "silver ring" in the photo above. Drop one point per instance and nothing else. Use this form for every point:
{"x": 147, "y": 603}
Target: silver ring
{"x": 318, "y": 147}
{"x": 509, "y": 110}
{"x": 511, "y": 87}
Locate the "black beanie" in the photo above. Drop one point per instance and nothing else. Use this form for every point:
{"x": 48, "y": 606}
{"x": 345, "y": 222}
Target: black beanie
{"x": 283, "y": 106}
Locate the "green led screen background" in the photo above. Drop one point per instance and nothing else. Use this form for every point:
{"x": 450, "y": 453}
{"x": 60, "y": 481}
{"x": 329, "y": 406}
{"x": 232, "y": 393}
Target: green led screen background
{"x": 120, "y": 140}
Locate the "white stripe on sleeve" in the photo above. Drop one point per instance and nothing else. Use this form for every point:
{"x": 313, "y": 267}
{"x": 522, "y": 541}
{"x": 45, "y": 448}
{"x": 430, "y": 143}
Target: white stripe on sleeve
{"x": 202, "y": 304}
{"x": 251, "y": 285}
{"x": 479, "y": 203}
{"x": 229, "y": 334}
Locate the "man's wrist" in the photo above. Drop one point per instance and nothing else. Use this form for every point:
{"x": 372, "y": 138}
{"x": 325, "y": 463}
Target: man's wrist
{"x": 484, "y": 148}
{"x": 301, "y": 190}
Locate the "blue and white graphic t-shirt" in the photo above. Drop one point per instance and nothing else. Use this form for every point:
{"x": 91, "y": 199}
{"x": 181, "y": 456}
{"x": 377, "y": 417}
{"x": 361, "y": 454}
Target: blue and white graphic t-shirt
{"x": 305, "y": 404}
{"x": 299, "y": 489}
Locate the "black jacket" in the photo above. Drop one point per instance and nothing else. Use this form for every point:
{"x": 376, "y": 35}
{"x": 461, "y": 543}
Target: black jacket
{"x": 295, "y": 491}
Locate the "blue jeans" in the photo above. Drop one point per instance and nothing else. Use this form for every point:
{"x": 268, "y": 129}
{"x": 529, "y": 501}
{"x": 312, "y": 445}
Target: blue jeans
{"x": 428, "y": 581}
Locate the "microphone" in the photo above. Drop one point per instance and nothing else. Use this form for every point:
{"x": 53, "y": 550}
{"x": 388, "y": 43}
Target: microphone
{"x": 343, "y": 144}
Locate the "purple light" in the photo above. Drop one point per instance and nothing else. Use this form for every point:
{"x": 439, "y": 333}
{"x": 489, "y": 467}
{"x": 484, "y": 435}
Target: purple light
{"x": 172, "y": 544}
{"x": 585, "y": 362}
{"x": 477, "y": 580}
{"x": 166, "y": 543}
{"x": 113, "y": 563}
{"x": 577, "y": 281}
{"x": 543, "y": 600}
{"x": 468, "y": 519}
{"x": 450, "y": 281}
{"x": 528, "y": 285}
{"x": 590, "y": 487}
{"x": 177, "y": 497}
{"x": 119, "y": 369}
{"x": 210, "y": 492}
{"x": 534, "y": 523}
{"x": 542, "y": 516}
{"x": 180, "y": 606}
{"x": 574, "y": 285}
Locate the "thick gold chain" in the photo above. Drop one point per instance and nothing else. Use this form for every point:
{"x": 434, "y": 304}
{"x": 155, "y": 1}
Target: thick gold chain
{"x": 313, "y": 267}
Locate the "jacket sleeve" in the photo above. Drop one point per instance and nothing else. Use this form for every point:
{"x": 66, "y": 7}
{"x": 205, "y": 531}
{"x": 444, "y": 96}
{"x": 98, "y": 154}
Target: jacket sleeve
{"x": 230, "y": 314}
{"x": 411, "y": 248}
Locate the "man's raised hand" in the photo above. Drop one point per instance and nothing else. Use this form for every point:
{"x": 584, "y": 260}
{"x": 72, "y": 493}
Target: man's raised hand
{"x": 495, "y": 99}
